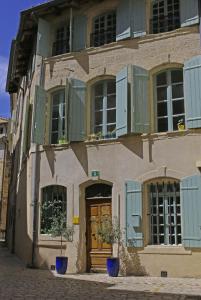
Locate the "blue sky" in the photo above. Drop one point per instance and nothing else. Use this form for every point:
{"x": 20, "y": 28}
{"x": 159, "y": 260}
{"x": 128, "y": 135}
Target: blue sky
{"x": 9, "y": 20}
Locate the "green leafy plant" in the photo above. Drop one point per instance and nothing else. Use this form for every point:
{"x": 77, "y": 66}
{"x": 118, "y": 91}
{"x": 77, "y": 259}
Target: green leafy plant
{"x": 109, "y": 230}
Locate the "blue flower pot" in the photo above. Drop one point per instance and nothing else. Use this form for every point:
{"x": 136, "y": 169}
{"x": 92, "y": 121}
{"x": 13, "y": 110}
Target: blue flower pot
{"x": 61, "y": 264}
{"x": 113, "y": 266}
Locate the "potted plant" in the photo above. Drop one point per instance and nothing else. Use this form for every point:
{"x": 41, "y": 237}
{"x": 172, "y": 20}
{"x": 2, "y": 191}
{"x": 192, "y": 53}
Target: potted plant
{"x": 59, "y": 228}
{"x": 63, "y": 140}
{"x": 180, "y": 125}
{"x": 109, "y": 232}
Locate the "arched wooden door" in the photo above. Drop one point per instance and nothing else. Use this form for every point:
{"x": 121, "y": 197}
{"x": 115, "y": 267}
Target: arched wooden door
{"x": 98, "y": 205}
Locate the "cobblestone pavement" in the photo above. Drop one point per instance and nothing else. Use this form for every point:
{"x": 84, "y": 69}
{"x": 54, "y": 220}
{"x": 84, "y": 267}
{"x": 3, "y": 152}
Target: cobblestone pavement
{"x": 18, "y": 282}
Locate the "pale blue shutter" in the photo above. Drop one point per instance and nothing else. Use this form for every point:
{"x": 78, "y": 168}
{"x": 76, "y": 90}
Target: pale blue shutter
{"x": 77, "y": 93}
{"x": 25, "y": 127}
{"x": 192, "y": 92}
{"x": 122, "y": 102}
{"x": 39, "y": 116}
{"x": 43, "y": 38}
{"x": 134, "y": 235}
{"x": 123, "y": 20}
{"x": 138, "y": 18}
{"x": 79, "y": 32}
{"x": 140, "y": 113}
{"x": 189, "y": 12}
{"x": 191, "y": 211}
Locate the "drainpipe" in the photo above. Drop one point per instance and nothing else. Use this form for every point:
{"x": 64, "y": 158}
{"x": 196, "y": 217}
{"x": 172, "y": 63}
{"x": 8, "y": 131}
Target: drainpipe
{"x": 71, "y": 30}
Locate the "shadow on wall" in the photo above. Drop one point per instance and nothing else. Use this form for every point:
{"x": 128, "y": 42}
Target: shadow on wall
{"x": 130, "y": 262}
{"x": 51, "y": 158}
{"x": 80, "y": 152}
{"x": 134, "y": 144}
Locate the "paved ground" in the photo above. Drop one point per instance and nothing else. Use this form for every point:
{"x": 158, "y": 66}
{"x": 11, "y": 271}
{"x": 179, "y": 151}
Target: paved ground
{"x": 18, "y": 282}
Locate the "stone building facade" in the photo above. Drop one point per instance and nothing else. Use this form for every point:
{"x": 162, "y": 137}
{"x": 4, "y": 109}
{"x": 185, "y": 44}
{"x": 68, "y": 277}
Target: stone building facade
{"x": 106, "y": 120}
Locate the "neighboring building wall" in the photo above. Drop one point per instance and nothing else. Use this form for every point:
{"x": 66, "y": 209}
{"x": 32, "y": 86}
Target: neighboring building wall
{"x": 133, "y": 157}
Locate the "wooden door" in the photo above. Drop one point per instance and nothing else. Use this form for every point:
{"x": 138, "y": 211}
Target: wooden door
{"x": 97, "y": 252}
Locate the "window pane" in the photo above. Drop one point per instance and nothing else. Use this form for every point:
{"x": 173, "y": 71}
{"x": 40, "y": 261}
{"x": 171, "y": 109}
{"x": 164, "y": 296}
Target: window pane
{"x": 111, "y": 116}
{"x": 55, "y": 125}
{"x": 98, "y": 103}
{"x": 99, "y": 90}
{"x": 162, "y": 93}
{"x": 177, "y": 91}
{"x": 56, "y": 99}
{"x": 98, "y": 129}
{"x": 54, "y": 138}
{"x": 98, "y": 118}
{"x": 55, "y": 112}
{"x": 162, "y": 109}
{"x": 177, "y": 76}
{"x": 161, "y": 79}
{"x": 111, "y": 101}
{"x": 178, "y": 107}
{"x": 163, "y": 125}
{"x": 111, "y": 87}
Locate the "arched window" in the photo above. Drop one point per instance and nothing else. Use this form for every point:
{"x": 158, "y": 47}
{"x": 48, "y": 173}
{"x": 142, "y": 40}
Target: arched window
{"x": 165, "y": 212}
{"x": 58, "y": 123}
{"x": 169, "y": 95}
{"x": 53, "y": 205}
{"x": 165, "y": 15}
{"x": 104, "y": 29}
{"x": 104, "y": 112}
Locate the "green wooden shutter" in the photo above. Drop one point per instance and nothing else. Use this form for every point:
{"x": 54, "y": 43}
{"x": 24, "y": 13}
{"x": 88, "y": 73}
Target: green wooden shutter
{"x": 189, "y": 12}
{"x": 192, "y": 92}
{"x": 43, "y": 38}
{"x": 138, "y": 18}
{"x": 123, "y": 20}
{"x": 25, "y": 127}
{"x": 191, "y": 211}
{"x": 139, "y": 101}
{"x": 77, "y": 93}
{"x": 134, "y": 235}
{"x": 39, "y": 116}
{"x": 122, "y": 102}
{"x": 79, "y": 32}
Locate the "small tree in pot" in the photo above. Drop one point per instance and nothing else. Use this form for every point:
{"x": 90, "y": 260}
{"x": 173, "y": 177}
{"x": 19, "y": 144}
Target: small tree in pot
{"x": 59, "y": 228}
{"x": 109, "y": 232}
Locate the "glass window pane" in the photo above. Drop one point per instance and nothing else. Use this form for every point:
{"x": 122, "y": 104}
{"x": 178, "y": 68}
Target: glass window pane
{"x": 177, "y": 76}
{"x": 55, "y": 125}
{"x": 162, "y": 125}
{"x": 111, "y": 87}
{"x": 162, "y": 109}
{"x": 177, "y": 91}
{"x": 55, "y": 112}
{"x": 111, "y": 129}
{"x": 178, "y": 107}
{"x": 98, "y": 103}
{"x": 111, "y": 101}
{"x": 98, "y": 118}
{"x": 111, "y": 116}
{"x": 98, "y": 129}
{"x": 162, "y": 93}
{"x": 56, "y": 99}
{"x": 99, "y": 90}
{"x": 54, "y": 138}
{"x": 162, "y": 79}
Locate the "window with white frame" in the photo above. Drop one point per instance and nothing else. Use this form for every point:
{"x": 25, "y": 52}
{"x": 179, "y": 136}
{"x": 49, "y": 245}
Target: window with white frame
{"x": 104, "y": 112}
{"x": 165, "y": 213}
{"x": 58, "y": 120}
{"x": 61, "y": 43}
{"x": 165, "y": 15}
{"x": 53, "y": 205}
{"x": 169, "y": 95}
{"x": 104, "y": 29}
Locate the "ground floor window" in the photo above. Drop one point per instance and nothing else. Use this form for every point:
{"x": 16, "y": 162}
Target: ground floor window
{"x": 53, "y": 205}
{"x": 165, "y": 213}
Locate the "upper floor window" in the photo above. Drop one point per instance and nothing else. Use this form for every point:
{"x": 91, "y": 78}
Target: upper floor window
{"x": 104, "y": 29}
{"x": 58, "y": 122}
{"x": 104, "y": 117}
{"x": 170, "y": 100}
{"x": 165, "y": 15}
{"x": 61, "y": 43}
{"x": 165, "y": 213}
{"x": 1, "y": 130}
{"x": 53, "y": 205}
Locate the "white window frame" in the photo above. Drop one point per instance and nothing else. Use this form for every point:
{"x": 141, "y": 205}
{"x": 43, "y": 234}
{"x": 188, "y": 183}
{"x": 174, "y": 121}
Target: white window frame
{"x": 62, "y": 115}
{"x": 104, "y": 133}
{"x": 170, "y": 100}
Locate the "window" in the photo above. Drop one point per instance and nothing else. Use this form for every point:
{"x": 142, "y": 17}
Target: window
{"x": 104, "y": 29}
{"x": 53, "y": 204}
{"x": 170, "y": 100}
{"x": 166, "y": 16}
{"x": 61, "y": 44}
{"x": 165, "y": 213}
{"x": 58, "y": 123}
{"x": 1, "y": 130}
{"x": 105, "y": 109}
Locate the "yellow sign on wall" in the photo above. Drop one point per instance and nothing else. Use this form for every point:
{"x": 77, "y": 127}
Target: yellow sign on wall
{"x": 76, "y": 220}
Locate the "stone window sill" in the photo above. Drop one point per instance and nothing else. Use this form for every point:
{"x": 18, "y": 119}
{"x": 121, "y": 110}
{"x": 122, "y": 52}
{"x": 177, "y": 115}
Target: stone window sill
{"x": 165, "y": 250}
